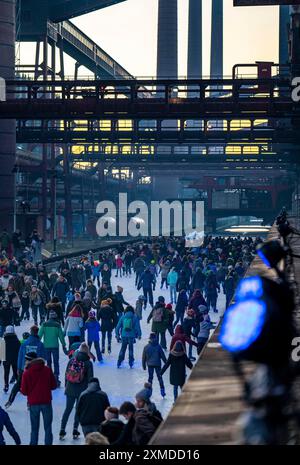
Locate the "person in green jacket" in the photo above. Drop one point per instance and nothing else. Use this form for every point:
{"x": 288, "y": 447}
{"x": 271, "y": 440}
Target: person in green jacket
{"x": 160, "y": 320}
{"x": 51, "y": 333}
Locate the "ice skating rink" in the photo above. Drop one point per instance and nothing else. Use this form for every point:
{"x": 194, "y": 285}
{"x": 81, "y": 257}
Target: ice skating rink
{"x": 120, "y": 384}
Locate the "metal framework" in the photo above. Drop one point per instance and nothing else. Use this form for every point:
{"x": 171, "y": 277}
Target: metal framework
{"x": 222, "y": 99}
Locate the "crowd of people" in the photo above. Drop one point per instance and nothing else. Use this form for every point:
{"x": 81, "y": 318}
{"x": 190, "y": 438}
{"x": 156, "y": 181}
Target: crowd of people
{"x": 74, "y": 312}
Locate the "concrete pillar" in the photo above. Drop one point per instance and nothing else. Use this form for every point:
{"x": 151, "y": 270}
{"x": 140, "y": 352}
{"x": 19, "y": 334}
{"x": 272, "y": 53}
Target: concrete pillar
{"x": 167, "y": 40}
{"x": 216, "y": 52}
{"x": 7, "y": 127}
{"x": 195, "y": 39}
{"x": 284, "y": 20}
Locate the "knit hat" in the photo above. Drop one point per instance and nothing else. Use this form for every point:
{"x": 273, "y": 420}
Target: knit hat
{"x": 120, "y": 288}
{"x": 141, "y": 297}
{"x": 31, "y": 356}
{"x": 9, "y": 329}
{"x": 92, "y": 314}
{"x": 52, "y": 315}
{"x": 144, "y": 395}
{"x": 161, "y": 299}
{"x": 169, "y": 306}
{"x": 202, "y": 309}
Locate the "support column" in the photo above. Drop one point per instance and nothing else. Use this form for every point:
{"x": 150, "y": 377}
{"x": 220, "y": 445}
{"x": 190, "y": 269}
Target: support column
{"x": 216, "y": 52}
{"x": 7, "y": 127}
{"x": 167, "y": 41}
{"x": 195, "y": 39}
{"x": 68, "y": 200}
{"x": 284, "y": 21}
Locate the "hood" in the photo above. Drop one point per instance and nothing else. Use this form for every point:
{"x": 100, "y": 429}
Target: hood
{"x": 76, "y": 311}
{"x": 178, "y": 349}
{"x": 36, "y": 364}
{"x": 93, "y": 387}
{"x": 178, "y": 330}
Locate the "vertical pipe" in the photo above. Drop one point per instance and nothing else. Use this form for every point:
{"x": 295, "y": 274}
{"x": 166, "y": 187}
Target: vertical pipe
{"x": 284, "y": 20}
{"x": 68, "y": 200}
{"x": 167, "y": 40}
{"x": 45, "y": 150}
{"x": 195, "y": 39}
{"x": 7, "y": 127}
{"x": 216, "y": 52}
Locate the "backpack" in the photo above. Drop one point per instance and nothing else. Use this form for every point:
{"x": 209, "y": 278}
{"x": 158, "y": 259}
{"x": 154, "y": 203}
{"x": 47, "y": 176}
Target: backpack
{"x": 127, "y": 324}
{"x": 158, "y": 314}
{"x": 75, "y": 371}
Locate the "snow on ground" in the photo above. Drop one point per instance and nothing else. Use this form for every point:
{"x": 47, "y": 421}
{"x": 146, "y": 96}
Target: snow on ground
{"x": 120, "y": 384}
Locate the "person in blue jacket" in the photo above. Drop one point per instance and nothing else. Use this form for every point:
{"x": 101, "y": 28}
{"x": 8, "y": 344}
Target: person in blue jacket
{"x": 92, "y": 326}
{"x": 128, "y": 330}
{"x": 32, "y": 344}
{"x": 6, "y": 422}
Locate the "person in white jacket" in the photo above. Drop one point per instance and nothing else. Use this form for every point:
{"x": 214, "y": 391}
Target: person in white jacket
{"x": 73, "y": 324}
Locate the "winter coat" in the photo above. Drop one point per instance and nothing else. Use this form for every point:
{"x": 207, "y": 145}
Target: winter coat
{"x": 134, "y": 332}
{"x": 196, "y": 300}
{"x": 164, "y": 270}
{"x": 172, "y": 278}
{"x": 177, "y": 362}
{"x": 205, "y": 326}
{"x": 198, "y": 280}
{"x": 60, "y": 290}
{"x": 119, "y": 301}
{"x": 57, "y": 308}
{"x": 188, "y": 325}
{"x": 106, "y": 276}
{"x": 51, "y": 333}
{"x": 96, "y": 270}
{"x": 37, "y": 298}
{"x": 73, "y": 323}
{"x": 153, "y": 354}
{"x": 92, "y": 327}
{"x": 182, "y": 302}
{"x": 112, "y": 429}
{"x": 119, "y": 262}
{"x": 75, "y": 277}
{"x": 91, "y": 406}
{"x": 211, "y": 285}
{"x": 107, "y": 317}
{"x": 147, "y": 280}
{"x": 159, "y": 326}
{"x": 75, "y": 389}
{"x": 5, "y": 422}
{"x": 32, "y": 344}
{"x": 125, "y": 438}
{"x": 37, "y": 383}
{"x": 139, "y": 309}
{"x": 182, "y": 337}
{"x": 6, "y": 316}
{"x": 143, "y": 429}
{"x": 12, "y": 346}
{"x": 92, "y": 290}
{"x": 139, "y": 265}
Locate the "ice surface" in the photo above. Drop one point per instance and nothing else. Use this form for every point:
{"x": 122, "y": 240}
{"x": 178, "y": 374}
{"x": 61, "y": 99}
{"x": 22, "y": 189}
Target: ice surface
{"x": 120, "y": 384}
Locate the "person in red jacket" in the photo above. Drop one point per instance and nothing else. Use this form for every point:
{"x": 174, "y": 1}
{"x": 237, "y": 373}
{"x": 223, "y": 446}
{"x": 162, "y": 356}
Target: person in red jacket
{"x": 119, "y": 265}
{"x": 180, "y": 336}
{"x": 37, "y": 383}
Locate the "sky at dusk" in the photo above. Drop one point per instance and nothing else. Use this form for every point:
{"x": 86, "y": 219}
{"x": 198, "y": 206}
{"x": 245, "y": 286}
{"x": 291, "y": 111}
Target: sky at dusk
{"x": 128, "y": 33}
